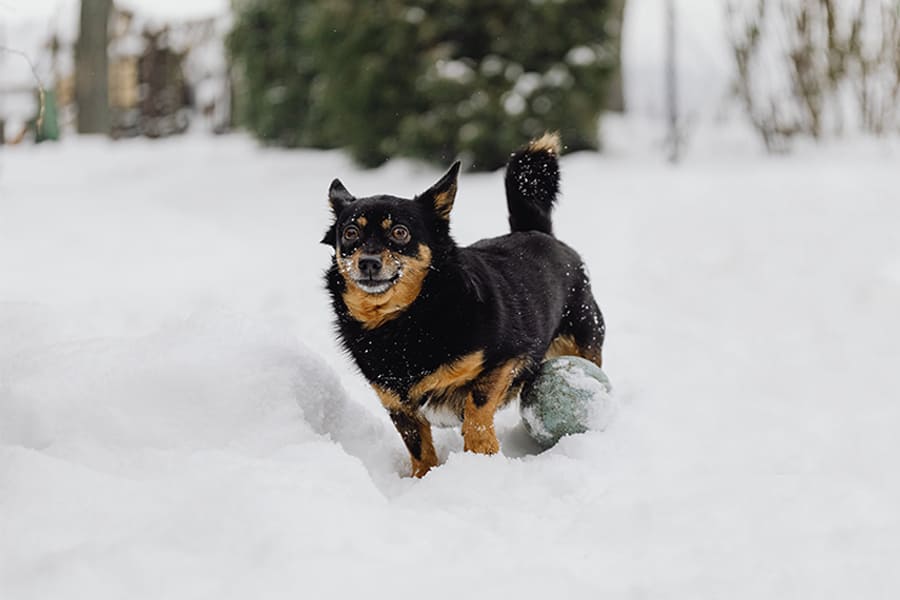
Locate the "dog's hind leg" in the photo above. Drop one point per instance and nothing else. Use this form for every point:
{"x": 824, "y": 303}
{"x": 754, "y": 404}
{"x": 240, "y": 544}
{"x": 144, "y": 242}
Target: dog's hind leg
{"x": 489, "y": 393}
{"x": 589, "y": 331}
{"x": 581, "y": 332}
{"x": 414, "y": 429}
{"x": 568, "y": 345}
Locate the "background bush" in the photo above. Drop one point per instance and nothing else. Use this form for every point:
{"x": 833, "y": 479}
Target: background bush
{"x": 431, "y": 79}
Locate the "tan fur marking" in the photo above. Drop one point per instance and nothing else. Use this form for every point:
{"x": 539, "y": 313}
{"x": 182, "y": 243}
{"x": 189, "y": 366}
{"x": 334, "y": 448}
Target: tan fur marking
{"x": 443, "y": 202}
{"x": 344, "y": 264}
{"x": 392, "y": 402}
{"x": 389, "y": 399}
{"x": 373, "y": 310}
{"x": 549, "y": 142}
{"x": 386, "y": 224}
{"x": 565, "y": 345}
{"x": 362, "y": 221}
{"x": 429, "y": 456}
{"x": 478, "y": 431}
{"x": 449, "y": 376}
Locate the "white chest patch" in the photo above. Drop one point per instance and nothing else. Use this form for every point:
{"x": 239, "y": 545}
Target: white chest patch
{"x": 441, "y": 415}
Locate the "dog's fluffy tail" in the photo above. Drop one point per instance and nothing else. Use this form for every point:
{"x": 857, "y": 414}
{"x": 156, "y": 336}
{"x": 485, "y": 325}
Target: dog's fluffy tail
{"x": 532, "y": 184}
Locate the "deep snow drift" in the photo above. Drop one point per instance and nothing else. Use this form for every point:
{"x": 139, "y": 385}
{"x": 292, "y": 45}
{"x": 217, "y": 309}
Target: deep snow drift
{"x": 176, "y": 420}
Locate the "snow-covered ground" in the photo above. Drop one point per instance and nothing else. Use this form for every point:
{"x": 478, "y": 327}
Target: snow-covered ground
{"x": 176, "y": 420}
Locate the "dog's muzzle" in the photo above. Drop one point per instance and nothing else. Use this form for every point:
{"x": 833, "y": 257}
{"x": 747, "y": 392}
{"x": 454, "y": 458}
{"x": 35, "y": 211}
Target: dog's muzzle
{"x": 371, "y": 278}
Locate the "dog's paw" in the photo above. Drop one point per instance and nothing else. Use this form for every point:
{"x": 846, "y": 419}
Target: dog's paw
{"x": 420, "y": 468}
{"x": 480, "y": 440}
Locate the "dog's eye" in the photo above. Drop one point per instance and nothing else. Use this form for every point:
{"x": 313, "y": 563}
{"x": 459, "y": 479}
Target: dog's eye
{"x": 351, "y": 233}
{"x": 400, "y": 234}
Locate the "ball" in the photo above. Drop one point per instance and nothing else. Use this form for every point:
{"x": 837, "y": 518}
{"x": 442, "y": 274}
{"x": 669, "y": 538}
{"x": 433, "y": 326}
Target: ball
{"x": 569, "y": 395}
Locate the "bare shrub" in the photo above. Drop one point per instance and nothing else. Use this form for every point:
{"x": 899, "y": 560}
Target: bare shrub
{"x": 816, "y": 67}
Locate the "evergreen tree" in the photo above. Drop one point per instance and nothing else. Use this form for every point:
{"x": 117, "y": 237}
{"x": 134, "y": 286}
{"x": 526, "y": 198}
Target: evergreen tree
{"x": 275, "y": 72}
{"x": 366, "y": 53}
{"x": 433, "y": 79}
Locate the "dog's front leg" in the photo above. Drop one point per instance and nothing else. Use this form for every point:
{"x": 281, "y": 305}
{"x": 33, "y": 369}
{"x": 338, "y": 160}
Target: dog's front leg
{"x": 416, "y": 434}
{"x": 413, "y": 428}
{"x": 478, "y": 425}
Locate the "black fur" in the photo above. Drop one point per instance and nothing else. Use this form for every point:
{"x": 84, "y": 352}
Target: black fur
{"x": 508, "y": 296}
{"x": 532, "y": 184}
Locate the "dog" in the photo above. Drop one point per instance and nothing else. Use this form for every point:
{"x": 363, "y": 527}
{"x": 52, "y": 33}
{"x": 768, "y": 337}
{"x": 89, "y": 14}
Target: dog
{"x": 444, "y": 334}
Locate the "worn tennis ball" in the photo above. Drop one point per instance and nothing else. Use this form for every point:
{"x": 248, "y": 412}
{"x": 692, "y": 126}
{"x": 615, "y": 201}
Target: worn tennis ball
{"x": 569, "y": 395}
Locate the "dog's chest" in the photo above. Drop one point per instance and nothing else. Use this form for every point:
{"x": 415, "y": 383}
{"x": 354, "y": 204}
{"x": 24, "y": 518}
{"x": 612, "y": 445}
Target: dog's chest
{"x": 413, "y": 362}
{"x": 397, "y": 357}
{"x": 445, "y": 411}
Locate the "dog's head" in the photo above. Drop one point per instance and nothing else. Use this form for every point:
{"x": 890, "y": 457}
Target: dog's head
{"x": 385, "y": 245}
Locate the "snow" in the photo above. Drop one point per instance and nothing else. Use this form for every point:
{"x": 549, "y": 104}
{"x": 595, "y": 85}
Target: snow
{"x": 177, "y": 420}
{"x": 581, "y": 56}
{"x": 703, "y": 58}
{"x": 602, "y": 408}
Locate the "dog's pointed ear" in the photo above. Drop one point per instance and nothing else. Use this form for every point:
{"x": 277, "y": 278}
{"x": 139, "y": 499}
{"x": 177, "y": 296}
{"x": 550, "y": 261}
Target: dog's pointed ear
{"x": 339, "y": 198}
{"x": 441, "y": 195}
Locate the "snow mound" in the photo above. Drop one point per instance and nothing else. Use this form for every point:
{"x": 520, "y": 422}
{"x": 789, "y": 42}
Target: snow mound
{"x": 205, "y": 381}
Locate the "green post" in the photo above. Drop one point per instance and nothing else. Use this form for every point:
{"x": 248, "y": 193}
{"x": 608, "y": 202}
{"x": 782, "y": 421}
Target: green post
{"x": 48, "y": 129}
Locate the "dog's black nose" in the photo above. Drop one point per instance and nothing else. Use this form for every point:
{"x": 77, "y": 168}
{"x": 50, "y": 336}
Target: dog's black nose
{"x": 369, "y": 265}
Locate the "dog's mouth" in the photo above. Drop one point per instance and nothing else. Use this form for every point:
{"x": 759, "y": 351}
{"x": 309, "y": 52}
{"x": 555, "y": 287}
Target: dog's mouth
{"x": 372, "y": 285}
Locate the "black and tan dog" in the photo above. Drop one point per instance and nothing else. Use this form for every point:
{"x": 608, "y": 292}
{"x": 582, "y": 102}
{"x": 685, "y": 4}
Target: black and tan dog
{"x": 447, "y": 335}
